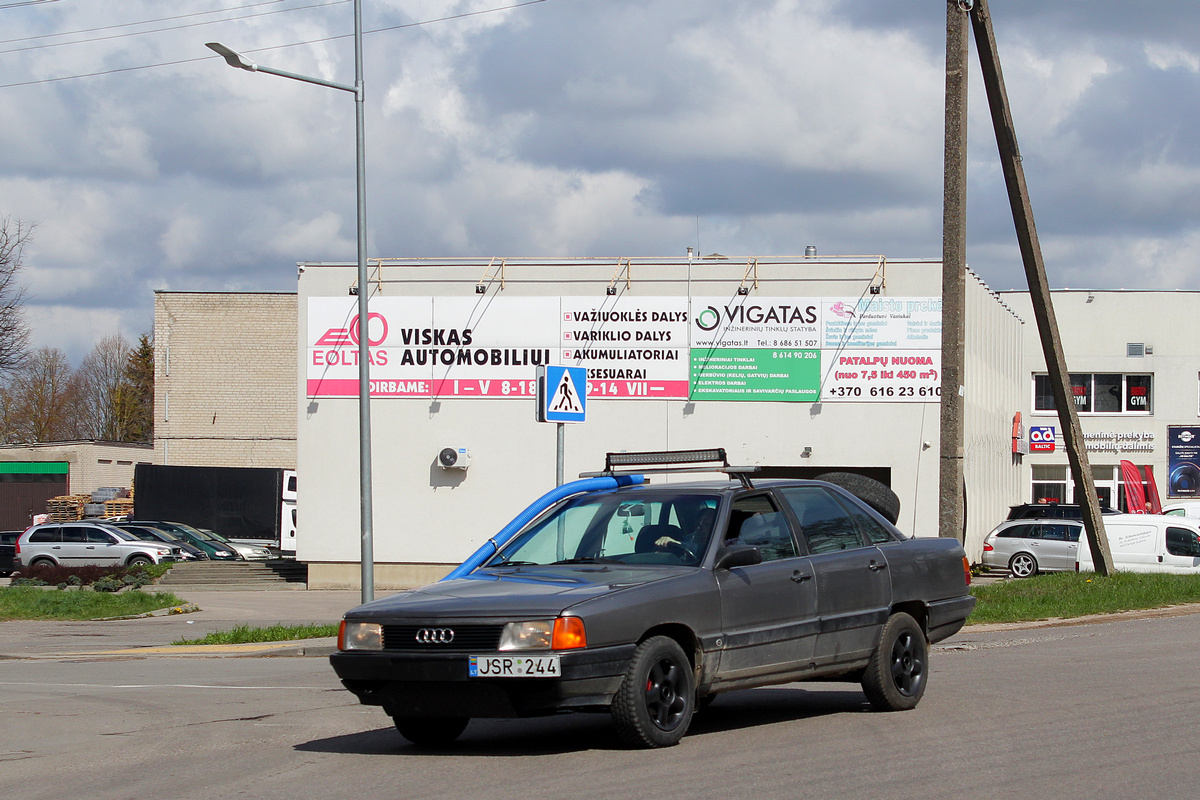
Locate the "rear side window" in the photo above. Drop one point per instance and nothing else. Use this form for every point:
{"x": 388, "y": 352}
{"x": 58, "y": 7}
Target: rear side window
{"x": 46, "y": 535}
{"x": 824, "y": 522}
{"x": 1020, "y": 532}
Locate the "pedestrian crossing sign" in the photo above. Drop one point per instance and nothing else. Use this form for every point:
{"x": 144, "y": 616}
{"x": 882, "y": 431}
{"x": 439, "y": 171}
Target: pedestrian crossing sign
{"x": 565, "y": 394}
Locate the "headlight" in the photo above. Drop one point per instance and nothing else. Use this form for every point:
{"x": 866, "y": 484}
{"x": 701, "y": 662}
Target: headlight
{"x": 360, "y": 636}
{"x": 532, "y": 635}
{"x": 222, "y": 553}
{"x": 564, "y": 633}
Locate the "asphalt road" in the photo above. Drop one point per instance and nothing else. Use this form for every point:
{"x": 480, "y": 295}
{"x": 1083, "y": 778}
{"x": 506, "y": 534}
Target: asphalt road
{"x": 1099, "y": 711}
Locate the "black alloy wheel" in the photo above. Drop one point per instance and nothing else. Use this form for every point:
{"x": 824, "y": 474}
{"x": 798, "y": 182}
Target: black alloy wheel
{"x": 654, "y": 706}
{"x": 895, "y": 677}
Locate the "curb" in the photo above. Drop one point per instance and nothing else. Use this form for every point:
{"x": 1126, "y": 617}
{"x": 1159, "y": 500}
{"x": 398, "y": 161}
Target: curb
{"x": 302, "y": 648}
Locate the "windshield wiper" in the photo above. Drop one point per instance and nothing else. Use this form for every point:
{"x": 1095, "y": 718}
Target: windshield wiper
{"x": 514, "y": 564}
{"x": 585, "y": 560}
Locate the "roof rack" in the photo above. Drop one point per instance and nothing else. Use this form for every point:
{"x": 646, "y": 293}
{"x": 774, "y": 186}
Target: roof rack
{"x": 671, "y": 461}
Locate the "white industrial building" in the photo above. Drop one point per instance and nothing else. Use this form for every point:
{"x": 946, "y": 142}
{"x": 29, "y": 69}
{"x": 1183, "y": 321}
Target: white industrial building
{"x": 801, "y": 365}
{"x": 1135, "y": 375}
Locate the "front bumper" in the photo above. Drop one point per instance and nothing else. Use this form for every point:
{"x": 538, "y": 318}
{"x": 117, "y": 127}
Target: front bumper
{"x": 438, "y": 684}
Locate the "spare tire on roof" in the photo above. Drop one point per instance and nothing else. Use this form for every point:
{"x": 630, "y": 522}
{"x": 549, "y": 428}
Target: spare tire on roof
{"x": 875, "y": 494}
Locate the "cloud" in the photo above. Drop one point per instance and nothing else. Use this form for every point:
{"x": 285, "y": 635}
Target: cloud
{"x": 584, "y": 128}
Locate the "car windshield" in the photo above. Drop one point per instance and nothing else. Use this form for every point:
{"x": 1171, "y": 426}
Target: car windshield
{"x": 214, "y": 535}
{"x": 641, "y": 528}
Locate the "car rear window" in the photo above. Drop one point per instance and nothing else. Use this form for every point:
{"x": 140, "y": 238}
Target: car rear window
{"x": 46, "y": 535}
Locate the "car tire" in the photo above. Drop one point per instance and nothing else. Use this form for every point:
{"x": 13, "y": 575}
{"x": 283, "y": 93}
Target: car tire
{"x": 896, "y": 675}
{"x": 1023, "y": 565}
{"x": 657, "y": 698}
{"x": 431, "y": 731}
{"x": 140, "y": 561}
{"x": 877, "y": 495}
{"x": 43, "y": 562}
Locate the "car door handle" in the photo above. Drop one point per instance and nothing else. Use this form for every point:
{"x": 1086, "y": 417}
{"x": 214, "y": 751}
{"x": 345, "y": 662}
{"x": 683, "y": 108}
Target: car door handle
{"x": 801, "y": 577}
{"x": 875, "y": 566}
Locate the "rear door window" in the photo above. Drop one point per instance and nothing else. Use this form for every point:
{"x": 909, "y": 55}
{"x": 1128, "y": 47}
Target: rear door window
{"x": 74, "y": 534}
{"x": 755, "y": 520}
{"x": 824, "y": 522}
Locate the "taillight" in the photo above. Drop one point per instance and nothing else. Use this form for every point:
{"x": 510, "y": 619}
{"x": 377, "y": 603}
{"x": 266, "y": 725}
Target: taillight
{"x": 987, "y": 548}
{"x": 967, "y": 570}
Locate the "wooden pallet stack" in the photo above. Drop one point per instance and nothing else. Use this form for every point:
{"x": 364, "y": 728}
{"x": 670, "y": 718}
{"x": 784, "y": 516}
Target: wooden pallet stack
{"x": 118, "y": 507}
{"x": 67, "y": 508}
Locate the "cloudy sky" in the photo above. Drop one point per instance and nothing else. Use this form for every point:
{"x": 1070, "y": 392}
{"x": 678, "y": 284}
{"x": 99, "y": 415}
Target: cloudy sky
{"x": 575, "y": 128}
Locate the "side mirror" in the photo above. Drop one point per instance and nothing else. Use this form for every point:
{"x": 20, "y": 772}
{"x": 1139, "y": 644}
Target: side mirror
{"x": 738, "y": 555}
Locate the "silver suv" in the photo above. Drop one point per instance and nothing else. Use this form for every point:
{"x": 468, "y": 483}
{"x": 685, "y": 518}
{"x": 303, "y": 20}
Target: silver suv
{"x": 70, "y": 544}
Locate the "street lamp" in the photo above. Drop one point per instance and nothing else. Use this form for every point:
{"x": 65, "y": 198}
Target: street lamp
{"x": 236, "y": 59}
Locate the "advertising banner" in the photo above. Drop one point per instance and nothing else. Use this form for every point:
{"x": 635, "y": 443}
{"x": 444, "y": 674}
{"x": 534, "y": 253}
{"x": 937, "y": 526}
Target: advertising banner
{"x": 1183, "y": 461}
{"x": 737, "y": 349}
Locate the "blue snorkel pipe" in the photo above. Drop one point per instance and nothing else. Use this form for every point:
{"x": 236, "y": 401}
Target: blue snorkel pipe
{"x": 551, "y": 497}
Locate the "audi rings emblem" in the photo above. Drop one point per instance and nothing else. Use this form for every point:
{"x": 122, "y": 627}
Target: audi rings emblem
{"x": 435, "y": 636}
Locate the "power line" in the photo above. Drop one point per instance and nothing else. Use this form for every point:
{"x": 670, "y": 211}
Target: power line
{"x": 272, "y": 47}
{"x": 27, "y": 3}
{"x": 47, "y": 45}
{"x": 140, "y": 22}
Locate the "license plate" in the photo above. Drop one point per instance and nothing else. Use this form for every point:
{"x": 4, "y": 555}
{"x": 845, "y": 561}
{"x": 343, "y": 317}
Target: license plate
{"x": 514, "y": 667}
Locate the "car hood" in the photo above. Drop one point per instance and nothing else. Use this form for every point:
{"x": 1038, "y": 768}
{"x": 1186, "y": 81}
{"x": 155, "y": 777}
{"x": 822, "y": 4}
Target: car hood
{"x": 516, "y": 592}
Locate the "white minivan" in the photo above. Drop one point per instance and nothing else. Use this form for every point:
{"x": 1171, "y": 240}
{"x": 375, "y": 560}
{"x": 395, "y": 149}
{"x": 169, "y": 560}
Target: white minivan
{"x": 1148, "y": 543}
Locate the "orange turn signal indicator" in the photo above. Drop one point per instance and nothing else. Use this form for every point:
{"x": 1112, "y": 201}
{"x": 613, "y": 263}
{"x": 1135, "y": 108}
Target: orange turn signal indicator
{"x": 568, "y": 634}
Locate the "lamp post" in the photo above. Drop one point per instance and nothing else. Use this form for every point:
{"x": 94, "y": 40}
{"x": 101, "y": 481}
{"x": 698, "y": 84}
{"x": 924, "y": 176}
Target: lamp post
{"x": 235, "y": 59}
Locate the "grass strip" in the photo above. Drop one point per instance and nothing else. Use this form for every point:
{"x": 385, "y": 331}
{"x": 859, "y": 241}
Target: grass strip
{"x": 1065, "y": 595}
{"x": 28, "y": 602}
{"x": 244, "y": 634}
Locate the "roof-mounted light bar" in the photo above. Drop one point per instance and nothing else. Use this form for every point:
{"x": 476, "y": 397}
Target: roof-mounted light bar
{"x": 661, "y": 461}
{"x": 664, "y": 458}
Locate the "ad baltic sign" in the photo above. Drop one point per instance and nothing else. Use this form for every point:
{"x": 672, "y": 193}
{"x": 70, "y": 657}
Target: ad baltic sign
{"x": 1183, "y": 461}
{"x": 741, "y": 349}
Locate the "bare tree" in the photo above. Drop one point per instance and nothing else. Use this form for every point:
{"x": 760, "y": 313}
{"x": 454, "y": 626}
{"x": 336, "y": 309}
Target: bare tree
{"x": 14, "y": 330}
{"x": 42, "y": 398}
{"x": 101, "y": 382}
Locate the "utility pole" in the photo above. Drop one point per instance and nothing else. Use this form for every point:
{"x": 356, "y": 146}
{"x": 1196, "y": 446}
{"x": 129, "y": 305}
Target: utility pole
{"x": 954, "y": 265}
{"x": 1039, "y": 290}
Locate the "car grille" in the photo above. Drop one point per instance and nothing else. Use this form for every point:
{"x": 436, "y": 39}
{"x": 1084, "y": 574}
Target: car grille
{"x": 485, "y": 638}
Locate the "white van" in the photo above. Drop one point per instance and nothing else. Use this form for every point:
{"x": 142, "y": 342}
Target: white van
{"x": 1148, "y": 543}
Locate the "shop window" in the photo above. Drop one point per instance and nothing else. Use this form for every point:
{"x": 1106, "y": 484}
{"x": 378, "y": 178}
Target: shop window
{"x": 1049, "y": 483}
{"x": 1098, "y": 393}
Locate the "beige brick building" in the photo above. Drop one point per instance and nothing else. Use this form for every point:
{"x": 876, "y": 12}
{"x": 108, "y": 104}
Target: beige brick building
{"x": 225, "y": 379}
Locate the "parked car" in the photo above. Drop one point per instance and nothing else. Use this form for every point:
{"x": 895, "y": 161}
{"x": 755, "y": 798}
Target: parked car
{"x": 645, "y": 600}
{"x": 88, "y": 543}
{"x": 1029, "y": 546}
{"x": 189, "y": 551}
{"x": 1183, "y": 508}
{"x": 250, "y": 552}
{"x": 1052, "y": 511}
{"x": 1149, "y": 543}
{"x": 216, "y": 550}
{"x": 8, "y": 552}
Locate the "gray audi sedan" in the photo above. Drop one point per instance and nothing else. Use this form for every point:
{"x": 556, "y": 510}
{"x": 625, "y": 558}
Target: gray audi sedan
{"x": 645, "y": 601}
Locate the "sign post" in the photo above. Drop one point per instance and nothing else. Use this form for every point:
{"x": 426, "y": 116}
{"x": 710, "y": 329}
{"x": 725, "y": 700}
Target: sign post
{"x": 561, "y": 398}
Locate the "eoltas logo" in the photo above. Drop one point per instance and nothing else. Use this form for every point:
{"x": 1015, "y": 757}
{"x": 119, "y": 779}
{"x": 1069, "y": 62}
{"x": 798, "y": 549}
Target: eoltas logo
{"x": 343, "y": 337}
{"x": 708, "y": 319}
